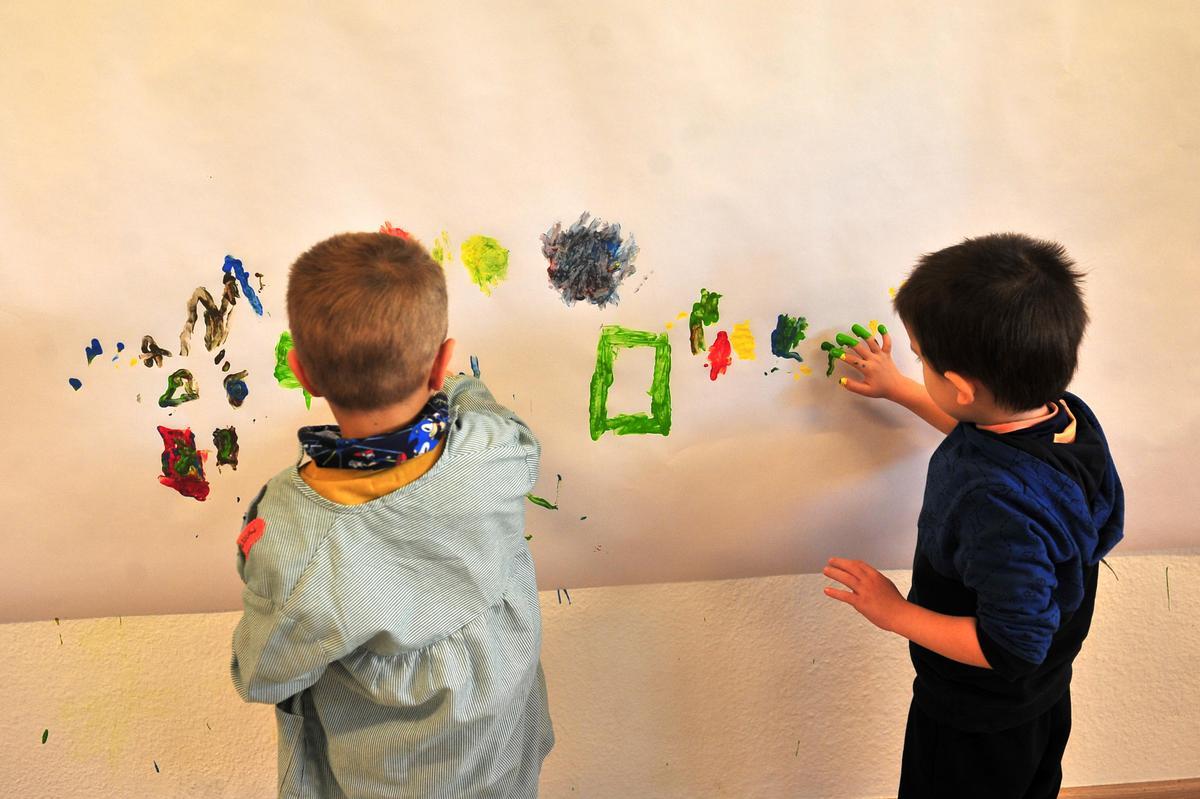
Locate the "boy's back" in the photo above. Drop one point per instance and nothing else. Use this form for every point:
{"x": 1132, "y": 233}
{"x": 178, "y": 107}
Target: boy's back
{"x": 391, "y": 608}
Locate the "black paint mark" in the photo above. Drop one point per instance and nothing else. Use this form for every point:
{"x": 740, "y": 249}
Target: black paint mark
{"x": 152, "y": 354}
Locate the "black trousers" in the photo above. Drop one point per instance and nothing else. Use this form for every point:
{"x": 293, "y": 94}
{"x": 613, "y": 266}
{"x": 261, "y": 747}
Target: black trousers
{"x": 1025, "y": 762}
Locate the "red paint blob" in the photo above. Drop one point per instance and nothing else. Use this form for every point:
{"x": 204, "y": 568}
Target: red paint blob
{"x": 249, "y": 537}
{"x": 182, "y": 463}
{"x": 720, "y": 355}
{"x": 401, "y": 233}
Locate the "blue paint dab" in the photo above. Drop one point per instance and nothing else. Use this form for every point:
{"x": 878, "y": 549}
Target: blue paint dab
{"x": 76, "y": 383}
{"x": 120, "y": 346}
{"x": 234, "y": 266}
{"x": 93, "y": 349}
{"x": 475, "y": 365}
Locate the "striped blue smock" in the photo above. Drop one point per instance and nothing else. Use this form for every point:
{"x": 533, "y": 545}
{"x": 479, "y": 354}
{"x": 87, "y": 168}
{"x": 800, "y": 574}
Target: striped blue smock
{"x": 400, "y": 638}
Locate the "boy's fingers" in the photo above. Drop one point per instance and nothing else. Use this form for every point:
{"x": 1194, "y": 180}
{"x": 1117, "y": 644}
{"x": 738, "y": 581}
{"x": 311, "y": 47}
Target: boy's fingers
{"x": 856, "y": 386}
{"x": 887, "y": 342}
{"x": 841, "y": 575}
{"x": 841, "y": 596}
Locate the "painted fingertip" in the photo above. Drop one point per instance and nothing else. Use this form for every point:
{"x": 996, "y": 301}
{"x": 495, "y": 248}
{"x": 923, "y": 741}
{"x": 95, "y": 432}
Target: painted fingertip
{"x": 883, "y": 330}
{"x": 842, "y": 357}
{"x": 860, "y": 331}
{"x": 845, "y": 340}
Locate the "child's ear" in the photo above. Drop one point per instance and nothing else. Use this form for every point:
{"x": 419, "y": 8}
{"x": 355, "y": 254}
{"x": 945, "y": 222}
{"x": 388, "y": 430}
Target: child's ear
{"x": 301, "y": 375}
{"x": 441, "y": 365}
{"x": 964, "y": 386}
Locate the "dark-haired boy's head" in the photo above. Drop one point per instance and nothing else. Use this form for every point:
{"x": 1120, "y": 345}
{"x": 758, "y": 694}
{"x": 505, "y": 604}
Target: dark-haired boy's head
{"x": 1003, "y": 309}
{"x": 368, "y": 313}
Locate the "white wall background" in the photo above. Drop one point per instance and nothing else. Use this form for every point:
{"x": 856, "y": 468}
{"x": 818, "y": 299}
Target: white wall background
{"x": 740, "y": 688}
{"x": 793, "y": 156}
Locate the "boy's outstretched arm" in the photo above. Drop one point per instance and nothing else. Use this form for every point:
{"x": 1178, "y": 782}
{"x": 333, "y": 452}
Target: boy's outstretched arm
{"x": 881, "y": 379}
{"x": 876, "y": 597}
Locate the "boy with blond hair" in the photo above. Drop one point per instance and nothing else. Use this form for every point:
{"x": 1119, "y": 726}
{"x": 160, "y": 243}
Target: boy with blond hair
{"x": 390, "y": 606}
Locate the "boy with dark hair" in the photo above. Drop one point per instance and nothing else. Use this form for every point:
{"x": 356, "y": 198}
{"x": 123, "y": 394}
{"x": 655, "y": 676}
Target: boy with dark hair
{"x": 1022, "y": 500}
{"x": 390, "y": 607}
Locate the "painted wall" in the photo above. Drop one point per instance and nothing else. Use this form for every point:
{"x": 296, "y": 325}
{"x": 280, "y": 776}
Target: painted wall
{"x": 740, "y": 688}
{"x": 795, "y": 157}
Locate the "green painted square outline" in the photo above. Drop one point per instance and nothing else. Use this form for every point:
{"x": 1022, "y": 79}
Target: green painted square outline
{"x": 659, "y": 421}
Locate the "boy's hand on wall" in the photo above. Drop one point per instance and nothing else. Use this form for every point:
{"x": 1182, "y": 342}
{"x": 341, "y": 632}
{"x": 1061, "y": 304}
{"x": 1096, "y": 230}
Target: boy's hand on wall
{"x": 871, "y": 594}
{"x": 880, "y": 377}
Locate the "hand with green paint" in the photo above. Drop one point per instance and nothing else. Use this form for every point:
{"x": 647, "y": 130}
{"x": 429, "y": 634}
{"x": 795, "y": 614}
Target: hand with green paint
{"x": 880, "y": 378}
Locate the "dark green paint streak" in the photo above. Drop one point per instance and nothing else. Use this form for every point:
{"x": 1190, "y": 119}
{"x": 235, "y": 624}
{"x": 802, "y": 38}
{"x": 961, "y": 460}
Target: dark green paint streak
{"x": 704, "y": 312}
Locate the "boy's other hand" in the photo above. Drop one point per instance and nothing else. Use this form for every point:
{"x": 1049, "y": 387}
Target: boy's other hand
{"x": 871, "y": 594}
{"x": 880, "y": 377}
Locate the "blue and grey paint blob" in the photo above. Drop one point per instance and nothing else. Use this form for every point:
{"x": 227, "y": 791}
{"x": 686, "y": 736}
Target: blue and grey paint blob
{"x": 588, "y": 260}
{"x": 234, "y": 267}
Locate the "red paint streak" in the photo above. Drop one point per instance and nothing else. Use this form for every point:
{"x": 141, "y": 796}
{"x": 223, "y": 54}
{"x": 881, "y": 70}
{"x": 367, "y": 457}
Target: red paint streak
{"x": 401, "y": 233}
{"x": 720, "y": 355}
{"x": 182, "y": 465}
{"x": 249, "y": 537}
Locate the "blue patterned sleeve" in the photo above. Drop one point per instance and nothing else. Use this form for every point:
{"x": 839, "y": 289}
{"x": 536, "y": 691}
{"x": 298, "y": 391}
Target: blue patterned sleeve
{"x": 1003, "y": 555}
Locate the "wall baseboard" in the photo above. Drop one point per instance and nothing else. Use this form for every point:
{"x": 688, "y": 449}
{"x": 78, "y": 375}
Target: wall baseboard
{"x": 1169, "y": 789}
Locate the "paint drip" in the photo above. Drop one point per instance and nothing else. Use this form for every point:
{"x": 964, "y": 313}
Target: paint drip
{"x": 743, "y": 341}
{"x": 787, "y": 335}
{"x": 225, "y": 439}
{"x": 704, "y": 312}
{"x": 486, "y": 262}
{"x": 236, "y": 389}
{"x": 152, "y": 354}
{"x": 588, "y": 260}
{"x": 182, "y": 463}
{"x": 283, "y": 372}
{"x": 179, "y": 380}
{"x": 234, "y": 266}
{"x": 719, "y": 356}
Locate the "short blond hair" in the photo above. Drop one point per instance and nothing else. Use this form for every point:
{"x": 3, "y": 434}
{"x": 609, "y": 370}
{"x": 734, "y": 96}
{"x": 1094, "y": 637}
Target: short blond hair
{"x": 368, "y": 312}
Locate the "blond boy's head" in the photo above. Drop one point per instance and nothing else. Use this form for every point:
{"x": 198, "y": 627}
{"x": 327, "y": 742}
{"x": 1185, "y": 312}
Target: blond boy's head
{"x": 368, "y": 316}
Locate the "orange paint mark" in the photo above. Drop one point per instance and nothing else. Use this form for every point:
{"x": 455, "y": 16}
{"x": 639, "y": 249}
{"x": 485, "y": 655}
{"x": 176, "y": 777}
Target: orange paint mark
{"x": 249, "y": 537}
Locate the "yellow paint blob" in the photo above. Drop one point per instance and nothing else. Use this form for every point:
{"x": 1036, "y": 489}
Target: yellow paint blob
{"x": 892, "y": 292}
{"x": 874, "y": 325}
{"x": 743, "y": 341}
{"x": 805, "y": 370}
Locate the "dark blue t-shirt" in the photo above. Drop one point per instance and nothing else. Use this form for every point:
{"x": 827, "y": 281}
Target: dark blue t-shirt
{"x": 1012, "y": 530}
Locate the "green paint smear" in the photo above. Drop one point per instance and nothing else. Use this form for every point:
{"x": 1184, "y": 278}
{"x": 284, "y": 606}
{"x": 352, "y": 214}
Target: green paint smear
{"x": 441, "y": 249}
{"x": 704, "y": 312}
{"x": 787, "y": 335}
{"x": 835, "y": 354}
{"x": 283, "y": 372}
{"x": 45, "y": 735}
{"x": 177, "y": 380}
{"x": 613, "y": 337}
{"x": 540, "y": 502}
{"x": 486, "y": 261}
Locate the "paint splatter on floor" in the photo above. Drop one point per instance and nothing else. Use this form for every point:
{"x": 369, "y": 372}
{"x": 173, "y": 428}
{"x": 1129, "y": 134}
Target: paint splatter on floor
{"x": 234, "y": 267}
{"x": 719, "y": 356}
{"x": 560, "y": 592}
{"x": 152, "y": 354}
{"x": 283, "y": 372}
{"x": 486, "y": 262}
{"x": 75, "y": 382}
{"x": 787, "y": 335}
{"x": 441, "y": 251}
{"x": 613, "y": 338}
{"x": 93, "y": 350}
{"x": 705, "y": 311}
{"x": 475, "y": 366}
{"x": 236, "y": 389}
{"x": 588, "y": 260}
{"x": 182, "y": 463}
{"x": 743, "y": 341}
{"x": 225, "y": 439}
{"x": 400, "y": 233}
{"x": 181, "y": 380}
